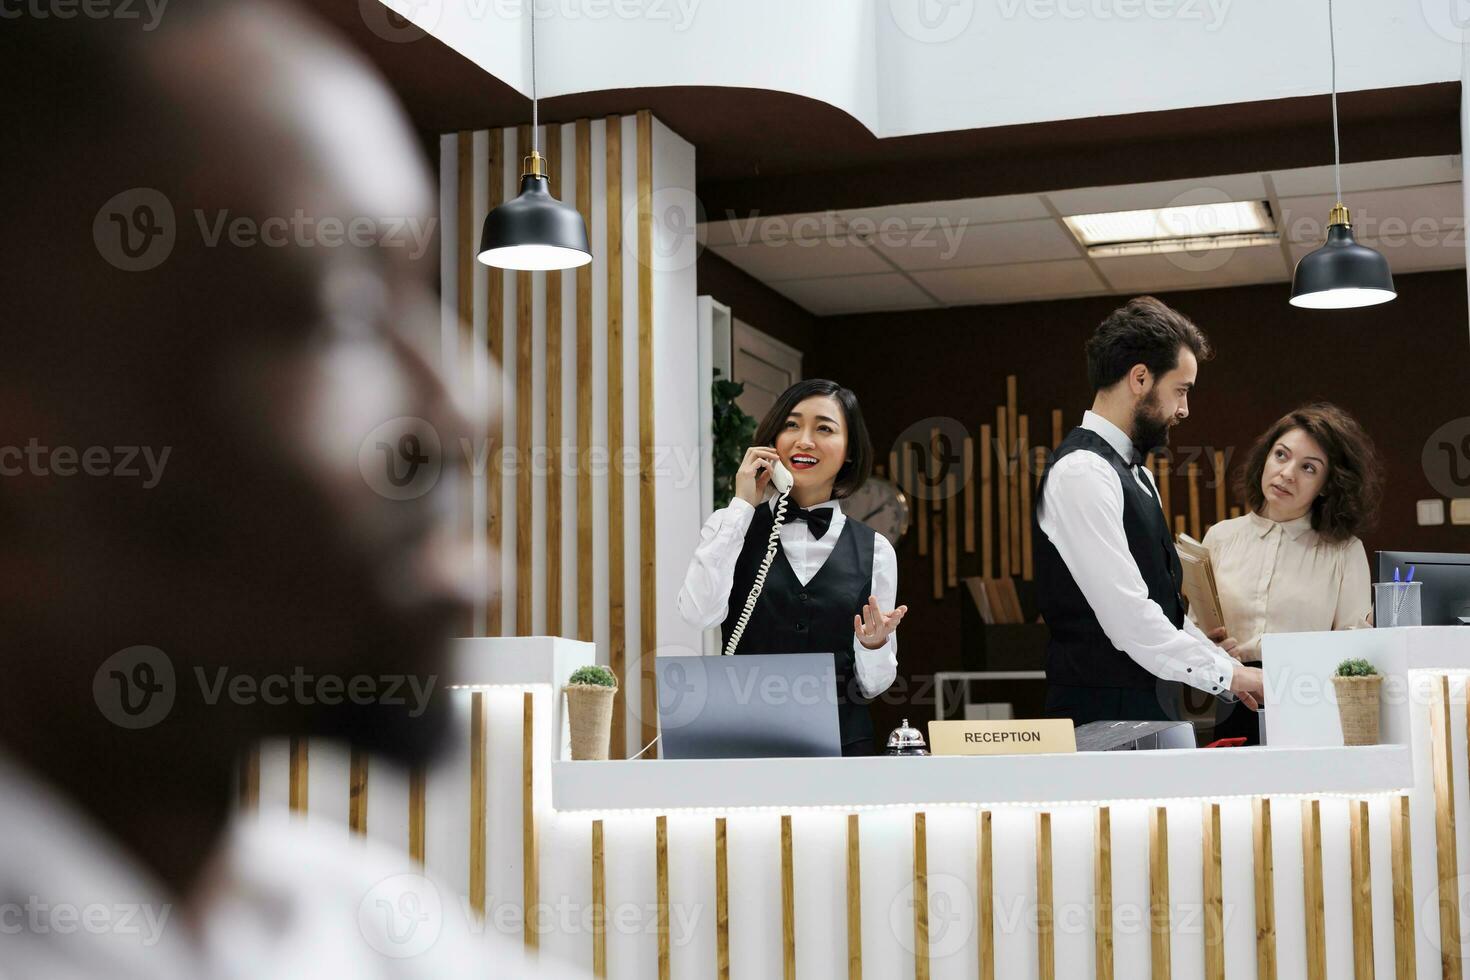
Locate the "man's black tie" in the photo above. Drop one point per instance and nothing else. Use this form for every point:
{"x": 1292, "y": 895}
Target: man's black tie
{"x": 818, "y": 519}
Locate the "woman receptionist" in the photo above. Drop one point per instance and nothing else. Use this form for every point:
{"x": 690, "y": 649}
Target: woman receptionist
{"x": 833, "y": 582}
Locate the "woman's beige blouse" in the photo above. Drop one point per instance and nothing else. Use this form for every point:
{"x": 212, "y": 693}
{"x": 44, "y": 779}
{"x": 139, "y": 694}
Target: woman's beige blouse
{"x": 1283, "y": 578}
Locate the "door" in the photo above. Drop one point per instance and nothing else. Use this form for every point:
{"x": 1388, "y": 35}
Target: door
{"x": 764, "y": 365}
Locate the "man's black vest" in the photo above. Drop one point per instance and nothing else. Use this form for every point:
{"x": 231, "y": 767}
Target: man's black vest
{"x": 814, "y": 618}
{"x": 1079, "y": 652}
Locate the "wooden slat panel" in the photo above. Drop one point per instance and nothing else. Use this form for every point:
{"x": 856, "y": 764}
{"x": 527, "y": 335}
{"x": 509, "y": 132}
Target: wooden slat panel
{"x": 1046, "y": 952}
{"x": 968, "y": 463}
{"x": 1265, "y": 889}
{"x": 1235, "y": 512}
{"x": 250, "y": 778}
{"x": 661, "y": 871}
{"x": 985, "y": 895}
{"x": 599, "y": 904}
{"x": 357, "y": 792}
{"x": 936, "y": 544}
{"x": 1444, "y": 830}
{"x": 1362, "y": 895}
{"x": 1405, "y": 961}
{"x": 299, "y": 767}
{"x": 584, "y": 392}
{"x": 1214, "y": 897}
{"x": 951, "y": 533}
{"x": 647, "y": 523}
{"x": 1023, "y": 458}
{"x": 1220, "y": 486}
{"x": 1181, "y": 525}
{"x": 524, "y": 413}
{"x": 1312, "y": 898}
{"x": 495, "y": 342}
{"x": 788, "y": 904}
{"x": 1192, "y": 476}
{"x": 553, "y": 408}
{"x": 1102, "y": 889}
{"x": 617, "y": 612}
{"x": 479, "y": 744}
{"x": 921, "y": 899}
{"x": 1158, "y": 893}
{"x": 987, "y": 492}
{"x": 854, "y": 901}
{"x": 1056, "y": 427}
{"x": 936, "y": 471}
{"x": 530, "y": 833}
{"x": 1164, "y": 485}
{"x": 914, "y": 459}
{"x": 722, "y": 902}
{"x": 1003, "y": 489}
{"x": 416, "y": 793}
{"x": 1013, "y": 483}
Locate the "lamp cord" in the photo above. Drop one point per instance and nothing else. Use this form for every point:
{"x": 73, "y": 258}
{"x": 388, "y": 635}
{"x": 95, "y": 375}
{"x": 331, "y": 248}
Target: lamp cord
{"x": 1336, "y": 150}
{"x": 535, "y": 118}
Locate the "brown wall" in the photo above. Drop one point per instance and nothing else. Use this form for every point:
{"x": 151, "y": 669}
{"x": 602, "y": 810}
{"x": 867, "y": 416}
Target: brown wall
{"x": 756, "y": 303}
{"x": 1402, "y": 369}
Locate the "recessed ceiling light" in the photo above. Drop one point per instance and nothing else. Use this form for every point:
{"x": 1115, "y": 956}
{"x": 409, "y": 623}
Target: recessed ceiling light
{"x": 1193, "y": 227}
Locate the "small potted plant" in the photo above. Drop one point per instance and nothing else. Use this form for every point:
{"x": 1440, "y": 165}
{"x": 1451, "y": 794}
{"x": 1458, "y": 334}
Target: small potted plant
{"x": 590, "y": 692}
{"x": 1358, "y": 687}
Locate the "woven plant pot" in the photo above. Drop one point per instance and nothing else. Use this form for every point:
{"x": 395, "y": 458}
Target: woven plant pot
{"x": 589, "y": 714}
{"x": 1357, "y": 708}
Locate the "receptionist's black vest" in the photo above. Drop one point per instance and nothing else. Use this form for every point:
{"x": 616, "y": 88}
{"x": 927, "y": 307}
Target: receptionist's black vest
{"x": 1079, "y": 652}
{"x": 814, "y": 618}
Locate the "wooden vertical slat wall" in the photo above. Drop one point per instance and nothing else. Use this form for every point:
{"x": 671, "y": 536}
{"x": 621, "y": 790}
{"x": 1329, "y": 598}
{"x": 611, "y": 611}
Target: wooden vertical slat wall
{"x": 250, "y": 778}
{"x": 1023, "y": 461}
{"x": 987, "y": 542}
{"x": 921, "y": 898}
{"x": 1002, "y": 490}
{"x": 722, "y": 901}
{"x": 524, "y": 412}
{"x": 495, "y": 342}
{"x": 1362, "y": 885}
{"x": 1046, "y": 951}
{"x": 584, "y": 391}
{"x": 951, "y": 531}
{"x": 1164, "y": 488}
{"x": 1444, "y": 829}
{"x": 661, "y": 888}
{"x": 553, "y": 408}
{"x": 530, "y": 833}
{"x": 788, "y": 903}
{"x": 968, "y": 471}
{"x": 1214, "y": 897}
{"x": 599, "y": 903}
{"x": 647, "y": 522}
{"x": 1220, "y": 486}
{"x": 1013, "y": 483}
{"x": 416, "y": 806}
{"x": 1192, "y": 477}
{"x": 479, "y": 743}
{"x": 357, "y": 792}
{"x": 297, "y": 774}
{"x": 1102, "y": 890}
{"x": 1265, "y": 888}
{"x": 854, "y": 900}
{"x": 1158, "y": 893}
{"x": 1312, "y": 898}
{"x": 1056, "y": 428}
{"x": 1405, "y": 961}
{"x": 985, "y": 895}
{"x": 617, "y": 611}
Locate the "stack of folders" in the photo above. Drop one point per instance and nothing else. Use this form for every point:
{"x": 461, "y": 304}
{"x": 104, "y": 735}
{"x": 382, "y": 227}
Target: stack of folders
{"x": 1199, "y": 583}
{"x": 996, "y": 599}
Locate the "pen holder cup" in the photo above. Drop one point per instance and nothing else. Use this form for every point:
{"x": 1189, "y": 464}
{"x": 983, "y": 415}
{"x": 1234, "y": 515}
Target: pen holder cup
{"x": 1396, "y": 604}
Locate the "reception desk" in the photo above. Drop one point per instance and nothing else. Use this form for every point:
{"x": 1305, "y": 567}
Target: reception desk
{"x": 1302, "y": 858}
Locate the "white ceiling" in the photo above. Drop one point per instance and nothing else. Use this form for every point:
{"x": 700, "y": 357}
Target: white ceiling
{"x": 1016, "y": 248}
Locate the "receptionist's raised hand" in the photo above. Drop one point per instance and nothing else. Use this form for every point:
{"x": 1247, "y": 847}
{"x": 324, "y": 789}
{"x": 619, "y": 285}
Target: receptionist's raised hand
{"x": 754, "y": 474}
{"x": 1226, "y": 643}
{"x": 874, "y": 626}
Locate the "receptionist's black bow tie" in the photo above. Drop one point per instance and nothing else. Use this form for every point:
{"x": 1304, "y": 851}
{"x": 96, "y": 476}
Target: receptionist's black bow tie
{"x": 817, "y": 520}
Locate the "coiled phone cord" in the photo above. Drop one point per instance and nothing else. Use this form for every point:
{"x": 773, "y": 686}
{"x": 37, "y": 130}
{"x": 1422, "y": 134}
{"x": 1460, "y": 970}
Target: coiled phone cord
{"x": 760, "y": 576}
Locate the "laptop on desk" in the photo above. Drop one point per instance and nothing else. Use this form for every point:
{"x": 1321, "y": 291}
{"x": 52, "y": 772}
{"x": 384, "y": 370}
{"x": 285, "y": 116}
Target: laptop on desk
{"x": 750, "y": 706}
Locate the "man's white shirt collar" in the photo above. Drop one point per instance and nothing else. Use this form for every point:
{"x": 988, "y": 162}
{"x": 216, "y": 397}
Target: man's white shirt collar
{"x": 1115, "y": 436}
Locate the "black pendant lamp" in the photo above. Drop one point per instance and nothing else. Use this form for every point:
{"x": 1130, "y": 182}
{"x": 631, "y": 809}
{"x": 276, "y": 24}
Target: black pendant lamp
{"x": 535, "y": 232}
{"x": 1342, "y": 273}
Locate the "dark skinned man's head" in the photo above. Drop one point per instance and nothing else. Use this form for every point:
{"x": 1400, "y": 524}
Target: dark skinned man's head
{"x": 287, "y": 319}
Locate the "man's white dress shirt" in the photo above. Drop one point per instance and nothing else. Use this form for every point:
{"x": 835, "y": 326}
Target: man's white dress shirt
{"x": 1082, "y": 515}
{"x": 704, "y": 601}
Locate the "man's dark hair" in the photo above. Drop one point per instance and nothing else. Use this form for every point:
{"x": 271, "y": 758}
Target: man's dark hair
{"x": 859, "y": 463}
{"x": 1147, "y": 332}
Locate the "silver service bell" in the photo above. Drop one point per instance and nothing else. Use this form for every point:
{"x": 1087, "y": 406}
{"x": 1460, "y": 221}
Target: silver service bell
{"x": 904, "y": 740}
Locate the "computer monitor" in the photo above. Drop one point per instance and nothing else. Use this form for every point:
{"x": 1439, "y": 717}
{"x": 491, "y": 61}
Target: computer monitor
{"x": 770, "y": 705}
{"x": 1444, "y": 592}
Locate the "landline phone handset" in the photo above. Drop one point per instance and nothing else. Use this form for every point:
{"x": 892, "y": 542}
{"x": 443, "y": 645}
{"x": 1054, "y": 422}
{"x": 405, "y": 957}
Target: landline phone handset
{"x": 782, "y": 480}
